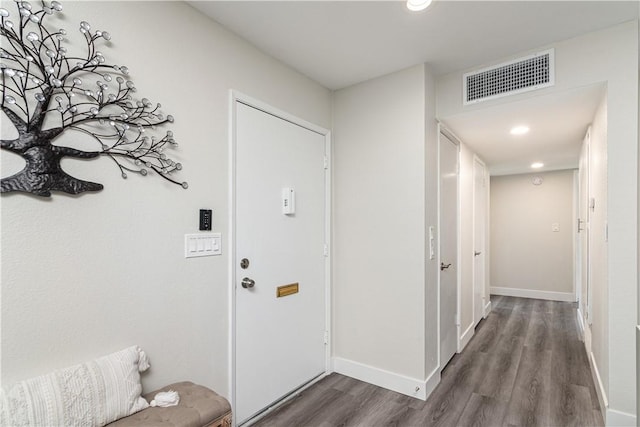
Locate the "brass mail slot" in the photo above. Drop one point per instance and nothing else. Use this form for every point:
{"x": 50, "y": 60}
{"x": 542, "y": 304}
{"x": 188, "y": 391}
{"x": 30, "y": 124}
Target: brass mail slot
{"x": 286, "y": 290}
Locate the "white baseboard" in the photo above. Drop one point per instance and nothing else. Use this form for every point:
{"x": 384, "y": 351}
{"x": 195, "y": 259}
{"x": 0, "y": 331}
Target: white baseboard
{"x": 466, "y": 337}
{"x": 530, "y": 293}
{"x": 580, "y": 322}
{"x": 602, "y": 395}
{"x": 487, "y": 309}
{"x": 413, "y": 387}
{"x": 619, "y": 419}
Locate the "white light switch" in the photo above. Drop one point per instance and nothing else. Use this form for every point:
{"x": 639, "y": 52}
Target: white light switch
{"x": 202, "y": 244}
{"x": 555, "y": 227}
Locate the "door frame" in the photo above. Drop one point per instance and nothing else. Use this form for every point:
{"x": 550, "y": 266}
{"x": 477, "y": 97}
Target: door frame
{"x": 236, "y": 97}
{"x": 485, "y": 216}
{"x": 443, "y": 130}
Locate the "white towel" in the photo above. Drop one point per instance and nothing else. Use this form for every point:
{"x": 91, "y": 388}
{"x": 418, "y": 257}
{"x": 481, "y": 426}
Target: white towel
{"x": 166, "y": 398}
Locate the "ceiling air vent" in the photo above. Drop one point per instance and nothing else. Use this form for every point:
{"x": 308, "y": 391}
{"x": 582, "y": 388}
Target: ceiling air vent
{"x": 521, "y": 75}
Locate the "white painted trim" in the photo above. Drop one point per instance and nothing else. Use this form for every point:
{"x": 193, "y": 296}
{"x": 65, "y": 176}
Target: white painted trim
{"x": 264, "y": 107}
{"x": 234, "y": 98}
{"x": 602, "y": 394}
{"x": 487, "y": 309}
{"x": 460, "y": 334}
{"x": 232, "y": 250}
{"x": 474, "y": 203}
{"x": 576, "y": 235}
{"x": 443, "y": 130}
{"x": 328, "y": 177}
{"x": 586, "y": 335}
{"x": 619, "y": 419}
{"x": 466, "y": 337}
{"x": 432, "y": 381}
{"x": 637, "y": 368}
{"x": 580, "y": 323}
{"x": 386, "y": 379}
{"x": 530, "y": 293}
{"x": 437, "y": 246}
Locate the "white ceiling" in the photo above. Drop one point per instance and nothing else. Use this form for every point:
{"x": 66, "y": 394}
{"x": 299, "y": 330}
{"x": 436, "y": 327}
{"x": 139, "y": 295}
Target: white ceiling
{"x": 557, "y": 122}
{"x": 340, "y": 43}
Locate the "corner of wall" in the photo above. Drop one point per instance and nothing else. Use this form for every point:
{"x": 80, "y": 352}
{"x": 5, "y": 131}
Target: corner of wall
{"x": 431, "y": 220}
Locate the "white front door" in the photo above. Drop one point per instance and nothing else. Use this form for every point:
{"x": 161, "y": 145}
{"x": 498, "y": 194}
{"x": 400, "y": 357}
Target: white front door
{"x": 280, "y": 339}
{"x": 479, "y": 233}
{"x": 448, "y": 231}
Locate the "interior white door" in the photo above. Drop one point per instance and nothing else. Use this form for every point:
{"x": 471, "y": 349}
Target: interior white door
{"x": 448, "y": 195}
{"x": 479, "y": 236}
{"x": 583, "y": 228}
{"x": 280, "y": 341}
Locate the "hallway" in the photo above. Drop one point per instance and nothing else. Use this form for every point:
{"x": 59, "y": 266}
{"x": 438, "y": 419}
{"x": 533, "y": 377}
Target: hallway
{"x": 525, "y": 366}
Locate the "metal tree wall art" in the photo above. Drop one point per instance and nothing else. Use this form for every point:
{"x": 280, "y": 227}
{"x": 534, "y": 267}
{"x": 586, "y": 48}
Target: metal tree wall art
{"x": 47, "y": 92}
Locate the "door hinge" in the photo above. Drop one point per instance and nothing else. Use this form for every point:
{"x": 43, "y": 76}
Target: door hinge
{"x": 326, "y": 162}
{"x": 326, "y": 250}
{"x": 326, "y": 337}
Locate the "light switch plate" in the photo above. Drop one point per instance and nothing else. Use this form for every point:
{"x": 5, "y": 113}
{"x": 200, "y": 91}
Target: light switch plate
{"x": 555, "y": 227}
{"x": 202, "y": 244}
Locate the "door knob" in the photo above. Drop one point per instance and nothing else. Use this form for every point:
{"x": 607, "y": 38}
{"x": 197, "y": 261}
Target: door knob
{"x": 476, "y": 253}
{"x": 248, "y": 283}
{"x": 444, "y": 266}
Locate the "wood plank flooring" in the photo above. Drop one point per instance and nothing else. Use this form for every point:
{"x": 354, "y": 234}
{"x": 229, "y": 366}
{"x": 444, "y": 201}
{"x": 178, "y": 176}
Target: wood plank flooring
{"x": 525, "y": 366}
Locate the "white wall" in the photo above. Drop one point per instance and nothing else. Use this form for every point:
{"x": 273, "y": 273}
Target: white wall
{"x": 84, "y": 276}
{"x": 609, "y": 56}
{"x": 487, "y": 246}
{"x": 379, "y": 223}
{"x": 431, "y": 268}
{"x": 598, "y": 243}
{"x": 526, "y": 254}
{"x": 638, "y": 305}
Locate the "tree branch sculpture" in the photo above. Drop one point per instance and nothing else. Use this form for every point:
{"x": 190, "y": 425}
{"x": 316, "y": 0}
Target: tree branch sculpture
{"x": 46, "y": 93}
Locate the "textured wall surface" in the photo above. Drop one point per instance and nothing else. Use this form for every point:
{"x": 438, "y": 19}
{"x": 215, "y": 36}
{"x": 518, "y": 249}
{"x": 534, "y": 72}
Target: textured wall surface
{"x": 88, "y": 275}
{"x": 525, "y": 252}
{"x": 379, "y": 223}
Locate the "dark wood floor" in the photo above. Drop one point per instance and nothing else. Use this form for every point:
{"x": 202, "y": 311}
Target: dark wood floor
{"x": 525, "y": 366}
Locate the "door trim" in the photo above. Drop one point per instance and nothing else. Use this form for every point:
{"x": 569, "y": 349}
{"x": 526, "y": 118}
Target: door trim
{"x": 484, "y": 248}
{"x": 236, "y": 97}
{"x": 443, "y": 130}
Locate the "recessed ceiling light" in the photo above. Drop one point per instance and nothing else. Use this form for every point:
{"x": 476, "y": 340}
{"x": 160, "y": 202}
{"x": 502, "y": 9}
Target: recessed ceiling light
{"x": 537, "y": 165}
{"x": 418, "y": 5}
{"x": 519, "y": 130}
